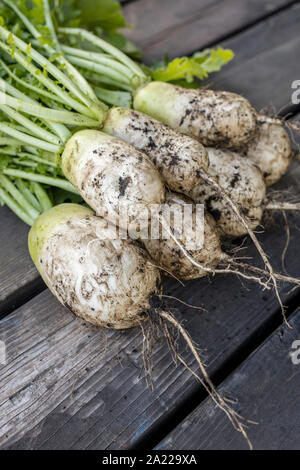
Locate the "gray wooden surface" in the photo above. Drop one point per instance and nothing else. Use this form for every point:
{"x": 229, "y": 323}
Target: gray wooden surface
{"x": 18, "y": 276}
{"x": 265, "y": 389}
{"x": 68, "y": 384}
{"x": 182, "y": 27}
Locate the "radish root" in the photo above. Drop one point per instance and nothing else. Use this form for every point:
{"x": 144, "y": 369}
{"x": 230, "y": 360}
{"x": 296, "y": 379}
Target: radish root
{"x": 235, "y": 419}
{"x": 209, "y": 180}
{"x": 212, "y": 271}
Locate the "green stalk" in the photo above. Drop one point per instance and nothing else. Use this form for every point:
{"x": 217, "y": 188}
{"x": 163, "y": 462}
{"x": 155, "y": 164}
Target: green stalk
{"x": 99, "y": 68}
{"x": 36, "y": 159}
{"x": 34, "y": 128}
{"x": 11, "y": 131}
{"x": 57, "y": 116}
{"x": 11, "y": 151}
{"x": 42, "y": 197}
{"x": 31, "y": 165}
{"x": 51, "y": 158}
{"x": 28, "y": 195}
{"x": 114, "y": 98}
{"x": 20, "y": 155}
{"x": 102, "y": 59}
{"x": 50, "y": 25}
{"x": 40, "y": 91}
{"x": 53, "y": 70}
{"x": 13, "y": 206}
{"x": 105, "y": 46}
{"x": 8, "y": 142}
{"x": 103, "y": 80}
{"x": 73, "y": 74}
{"x": 56, "y": 182}
{"x": 47, "y": 82}
{"x": 18, "y": 196}
{"x": 61, "y": 131}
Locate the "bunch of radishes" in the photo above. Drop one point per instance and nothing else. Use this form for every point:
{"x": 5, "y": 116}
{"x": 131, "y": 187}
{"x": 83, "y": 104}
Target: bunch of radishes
{"x": 210, "y": 146}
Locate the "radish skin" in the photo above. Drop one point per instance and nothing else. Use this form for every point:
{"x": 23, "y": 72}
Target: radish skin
{"x": 108, "y": 282}
{"x": 271, "y": 151}
{"x": 215, "y": 118}
{"x": 176, "y": 156}
{"x": 166, "y": 253}
{"x": 243, "y": 180}
{"x": 112, "y": 176}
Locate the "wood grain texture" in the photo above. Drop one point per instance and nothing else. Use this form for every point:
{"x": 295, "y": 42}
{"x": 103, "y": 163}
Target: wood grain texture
{"x": 70, "y": 385}
{"x": 17, "y": 272}
{"x": 265, "y": 389}
{"x": 179, "y": 28}
{"x": 266, "y": 62}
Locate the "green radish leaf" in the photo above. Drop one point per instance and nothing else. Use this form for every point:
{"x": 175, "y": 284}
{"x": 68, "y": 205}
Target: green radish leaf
{"x": 187, "y": 69}
{"x": 104, "y": 17}
{"x": 107, "y": 14}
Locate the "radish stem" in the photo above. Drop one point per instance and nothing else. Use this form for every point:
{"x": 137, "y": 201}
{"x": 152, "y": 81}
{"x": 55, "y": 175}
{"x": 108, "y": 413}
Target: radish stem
{"x": 56, "y": 182}
{"x": 18, "y": 196}
{"x": 13, "y": 206}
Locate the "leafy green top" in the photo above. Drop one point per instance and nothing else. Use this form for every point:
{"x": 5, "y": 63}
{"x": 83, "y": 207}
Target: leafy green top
{"x": 187, "y": 69}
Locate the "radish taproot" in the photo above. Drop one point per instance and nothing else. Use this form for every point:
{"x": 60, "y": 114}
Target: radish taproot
{"x": 189, "y": 246}
{"x": 271, "y": 150}
{"x": 112, "y": 176}
{"x": 215, "y": 118}
{"x": 166, "y": 253}
{"x": 108, "y": 282}
{"x": 243, "y": 180}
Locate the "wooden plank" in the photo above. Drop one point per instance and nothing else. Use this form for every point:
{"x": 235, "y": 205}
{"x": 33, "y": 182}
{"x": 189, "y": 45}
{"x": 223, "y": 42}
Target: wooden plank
{"x": 70, "y": 385}
{"x": 18, "y": 276}
{"x": 179, "y": 28}
{"x": 266, "y": 62}
{"x": 266, "y": 389}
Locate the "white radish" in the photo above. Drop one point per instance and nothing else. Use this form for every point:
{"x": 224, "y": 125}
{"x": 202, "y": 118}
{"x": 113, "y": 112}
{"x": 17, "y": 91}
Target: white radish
{"x": 271, "y": 150}
{"x": 176, "y": 156}
{"x": 243, "y": 180}
{"x": 170, "y": 257}
{"x": 185, "y": 255}
{"x": 107, "y": 283}
{"x": 215, "y": 118}
{"x": 105, "y": 280}
{"x": 112, "y": 176}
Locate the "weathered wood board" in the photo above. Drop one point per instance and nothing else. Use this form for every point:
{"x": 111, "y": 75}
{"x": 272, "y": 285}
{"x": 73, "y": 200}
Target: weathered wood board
{"x": 265, "y": 389}
{"x": 266, "y": 62}
{"x": 18, "y": 275}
